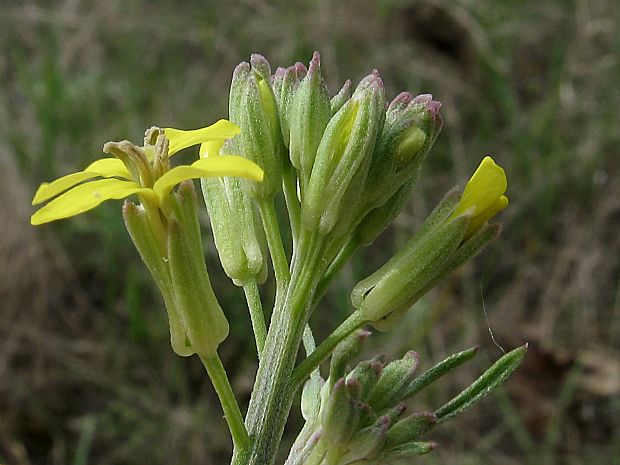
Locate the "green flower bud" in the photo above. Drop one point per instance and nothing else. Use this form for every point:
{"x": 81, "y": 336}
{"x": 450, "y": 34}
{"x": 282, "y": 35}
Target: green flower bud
{"x": 201, "y": 315}
{"x": 344, "y": 352}
{"x": 409, "y": 429}
{"x": 411, "y": 127}
{"x": 237, "y": 232}
{"x": 405, "y": 453}
{"x": 343, "y": 158}
{"x": 155, "y": 259}
{"x": 393, "y": 382}
{"x": 340, "y": 415}
{"x": 366, "y": 373}
{"x": 253, "y": 108}
{"x": 285, "y": 83}
{"x": 309, "y": 114}
{"x": 367, "y": 442}
{"x": 399, "y": 283}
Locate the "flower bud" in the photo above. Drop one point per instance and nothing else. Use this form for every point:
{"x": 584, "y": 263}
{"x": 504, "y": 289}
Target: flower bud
{"x": 411, "y": 127}
{"x": 366, "y": 373}
{"x": 454, "y": 232}
{"x": 343, "y": 157}
{"x": 201, "y": 315}
{"x": 309, "y": 114}
{"x": 285, "y": 83}
{"x": 405, "y": 453}
{"x": 400, "y": 282}
{"x": 367, "y": 442}
{"x": 409, "y": 429}
{"x": 238, "y": 235}
{"x": 340, "y": 414}
{"x": 344, "y": 352}
{"x": 393, "y": 382}
{"x": 252, "y": 107}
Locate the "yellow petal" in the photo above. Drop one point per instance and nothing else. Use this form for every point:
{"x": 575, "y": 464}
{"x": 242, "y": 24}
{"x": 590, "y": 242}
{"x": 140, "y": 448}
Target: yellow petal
{"x": 482, "y": 217}
{"x": 108, "y": 168}
{"x": 484, "y": 188}
{"x": 179, "y": 139}
{"x": 229, "y": 165}
{"x": 211, "y": 148}
{"x": 105, "y": 167}
{"x": 85, "y": 197}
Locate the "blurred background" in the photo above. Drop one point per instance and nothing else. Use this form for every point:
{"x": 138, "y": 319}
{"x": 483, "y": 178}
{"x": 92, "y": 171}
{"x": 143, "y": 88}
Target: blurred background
{"x": 87, "y": 376}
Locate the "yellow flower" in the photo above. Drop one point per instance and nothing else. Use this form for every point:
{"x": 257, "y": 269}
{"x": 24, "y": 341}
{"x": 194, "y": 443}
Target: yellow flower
{"x": 144, "y": 171}
{"x": 484, "y": 195}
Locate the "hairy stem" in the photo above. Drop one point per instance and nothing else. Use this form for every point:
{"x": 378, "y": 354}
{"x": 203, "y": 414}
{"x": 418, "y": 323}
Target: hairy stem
{"x": 257, "y": 316}
{"x": 217, "y": 373}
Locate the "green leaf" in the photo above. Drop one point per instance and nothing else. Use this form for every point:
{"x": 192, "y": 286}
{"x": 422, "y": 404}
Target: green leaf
{"x": 489, "y": 380}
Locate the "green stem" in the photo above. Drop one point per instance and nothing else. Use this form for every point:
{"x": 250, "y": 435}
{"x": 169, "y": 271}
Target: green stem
{"x": 305, "y": 368}
{"x": 336, "y": 265}
{"x": 257, "y": 316}
{"x": 276, "y": 249}
{"x": 292, "y": 201}
{"x": 233, "y": 416}
{"x": 273, "y": 393}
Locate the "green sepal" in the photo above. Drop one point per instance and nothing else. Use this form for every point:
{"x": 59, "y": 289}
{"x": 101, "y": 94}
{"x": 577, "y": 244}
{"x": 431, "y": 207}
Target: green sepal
{"x": 399, "y": 283}
{"x": 350, "y": 347}
{"x": 308, "y": 117}
{"x": 340, "y": 414}
{"x": 378, "y": 219}
{"x": 404, "y": 453}
{"x": 156, "y": 261}
{"x": 311, "y": 397}
{"x": 253, "y": 108}
{"x": 439, "y": 370}
{"x": 439, "y": 215}
{"x": 338, "y": 100}
{"x": 343, "y": 157}
{"x": 201, "y": 315}
{"x": 237, "y": 233}
{"x": 367, "y": 373}
{"x": 410, "y": 428}
{"x": 393, "y": 381}
{"x": 485, "y": 384}
{"x": 411, "y": 127}
{"x": 285, "y": 83}
{"x": 367, "y": 442}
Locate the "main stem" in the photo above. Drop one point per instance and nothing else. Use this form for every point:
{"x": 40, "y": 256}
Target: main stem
{"x": 233, "y": 416}
{"x": 273, "y": 392}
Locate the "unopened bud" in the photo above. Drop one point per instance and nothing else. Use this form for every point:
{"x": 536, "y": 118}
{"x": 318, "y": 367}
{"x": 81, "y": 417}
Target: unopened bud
{"x": 309, "y": 114}
{"x": 238, "y": 235}
{"x": 409, "y": 429}
{"x": 340, "y": 415}
{"x": 411, "y": 127}
{"x": 285, "y": 83}
{"x": 253, "y": 108}
{"x": 343, "y": 157}
{"x": 393, "y": 382}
